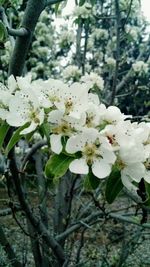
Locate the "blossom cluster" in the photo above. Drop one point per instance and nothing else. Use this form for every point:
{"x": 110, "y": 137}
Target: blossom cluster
{"x": 140, "y": 67}
{"x": 83, "y": 11}
{"x": 98, "y": 137}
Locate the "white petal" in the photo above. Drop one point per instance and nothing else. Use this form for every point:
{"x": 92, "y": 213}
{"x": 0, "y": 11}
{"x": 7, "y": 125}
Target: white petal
{"x": 127, "y": 182}
{"x": 16, "y": 120}
{"x": 101, "y": 169}
{"x": 55, "y": 116}
{"x": 74, "y": 144}
{"x": 12, "y": 84}
{"x": 29, "y": 129}
{"x": 79, "y": 166}
{"x": 56, "y": 145}
{"x": 108, "y": 156}
{"x": 136, "y": 171}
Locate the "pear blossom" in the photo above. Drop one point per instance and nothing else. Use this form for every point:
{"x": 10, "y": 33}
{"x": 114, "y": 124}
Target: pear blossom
{"x": 72, "y": 72}
{"x": 5, "y": 97}
{"x": 83, "y": 11}
{"x": 140, "y": 67}
{"x": 96, "y": 153}
{"x": 24, "y": 107}
{"x": 131, "y": 162}
{"x": 93, "y": 80}
{"x": 62, "y": 125}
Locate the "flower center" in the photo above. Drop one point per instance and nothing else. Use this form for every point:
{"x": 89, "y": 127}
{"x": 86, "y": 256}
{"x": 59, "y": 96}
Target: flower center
{"x": 63, "y": 128}
{"x": 34, "y": 116}
{"x": 90, "y": 151}
{"x": 68, "y": 106}
{"x": 89, "y": 120}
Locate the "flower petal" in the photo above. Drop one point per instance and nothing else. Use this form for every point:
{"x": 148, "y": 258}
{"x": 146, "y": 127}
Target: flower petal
{"x": 136, "y": 171}
{"x": 56, "y": 145}
{"x": 29, "y": 129}
{"x": 79, "y": 166}
{"x": 101, "y": 169}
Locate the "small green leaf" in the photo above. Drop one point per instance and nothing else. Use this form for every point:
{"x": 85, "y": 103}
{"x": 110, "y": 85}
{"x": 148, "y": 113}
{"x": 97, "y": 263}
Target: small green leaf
{"x": 45, "y": 131}
{"x": 2, "y": 2}
{"x": 3, "y": 131}
{"x": 114, "y": 185}
{"x": 3, "y": 33}
{"x": 82, "y": 2}
{"x": 57, "y": 165}
{"x": 147, "y": 186}
{"x": 57, "y": 8}
{"x": 15, "y": 138}
{"x": 91, "y": 182}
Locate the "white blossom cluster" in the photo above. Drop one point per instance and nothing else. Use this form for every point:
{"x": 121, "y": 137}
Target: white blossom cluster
{"x": 83, "y": 11}
{"x": 72, "y": 72}
{"x": 100, "y": 34}
{"x": 140, "y": 67}
{"x": 93, "y": 80}
{"x": 96, "y": 137}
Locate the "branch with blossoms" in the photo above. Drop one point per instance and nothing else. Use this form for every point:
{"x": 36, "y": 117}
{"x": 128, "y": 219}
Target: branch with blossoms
{"x": 85, "y": 137}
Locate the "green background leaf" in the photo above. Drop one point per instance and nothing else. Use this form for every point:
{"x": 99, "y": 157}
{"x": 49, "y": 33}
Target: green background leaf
{"x": 114, "y": 185}
{"x": 57, "y": 165}
{"x": 15, "y": 138}
{"x": 3, "y": 131}
{"x": 91, "y": 182}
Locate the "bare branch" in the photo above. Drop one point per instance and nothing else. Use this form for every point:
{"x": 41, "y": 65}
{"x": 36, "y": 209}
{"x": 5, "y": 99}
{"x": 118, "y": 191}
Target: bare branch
{"x": 31, "y": 152}
{"x": 117, "y": 9}
{"x": 31, "y": 15}
{"x": 9, "y": 251}
{"x": 19, "y": 32}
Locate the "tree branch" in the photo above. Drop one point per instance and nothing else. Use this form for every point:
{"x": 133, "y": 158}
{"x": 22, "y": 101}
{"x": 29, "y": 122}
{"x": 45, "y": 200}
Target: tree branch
{"x": 52, "y": 2}
{"x": 31, "y": 152}
{"x": 31, "y": 15}
{"x": 117, "y": 9}
{"x": 37, "y": 224}
{"x": 8, "y": 249}
{"x": 19, "y": 32}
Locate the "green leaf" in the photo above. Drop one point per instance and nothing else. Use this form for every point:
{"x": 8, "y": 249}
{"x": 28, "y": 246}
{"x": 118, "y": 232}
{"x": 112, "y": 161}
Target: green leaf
{"x": 82, "y": 2}
{"x": 15, "y": 138}
{"x": 2, "y": 2}
{"x": 45, "y": 131}
{"x": 91, "y": 182}
{"x": 114, "y": 185}
{"x": 147, "y": 186}
{"x": 57, "y": 165}
{"x": 3, "y": 33}
{"x": 62, "y": 5}
{"x": 3, "y": 131}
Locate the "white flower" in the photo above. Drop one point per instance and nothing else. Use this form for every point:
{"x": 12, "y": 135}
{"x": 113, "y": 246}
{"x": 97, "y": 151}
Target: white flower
{"x": 130, "y": 160}
{"x": 100, "y": 34}
{"x": 23, "y": 108}
{"x": 111, "y": 62}
{"x": 140, "y": 67}
{"x": 72, "y": 72}
{"x": 96, "y": 152}
{"x": 5, "y": 97}
{"x": 62, "y": 125}
{"x": 112, "y": 114}
{"x": 73, "y": 100}
{"x": 83, "y": 11}
{"x": 49, "y": 92}
{"x": 93, "y": 80}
